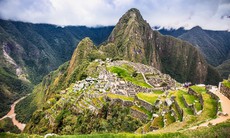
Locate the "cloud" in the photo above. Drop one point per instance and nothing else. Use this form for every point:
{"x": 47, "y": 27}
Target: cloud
{"x": 209, "y": 14}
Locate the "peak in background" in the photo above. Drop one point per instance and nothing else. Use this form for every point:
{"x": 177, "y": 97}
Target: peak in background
{"x": 214, "y": 45}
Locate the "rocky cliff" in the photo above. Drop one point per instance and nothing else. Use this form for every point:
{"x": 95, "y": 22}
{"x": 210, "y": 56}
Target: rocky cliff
{"x": 136, "y": 41}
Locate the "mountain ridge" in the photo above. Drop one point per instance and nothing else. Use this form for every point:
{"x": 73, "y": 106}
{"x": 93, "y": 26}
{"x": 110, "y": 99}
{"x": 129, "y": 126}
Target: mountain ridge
{"x": 30, "y": 51}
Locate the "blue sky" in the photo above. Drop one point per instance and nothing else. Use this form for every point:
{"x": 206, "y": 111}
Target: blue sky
{"x": 209, "y": 14}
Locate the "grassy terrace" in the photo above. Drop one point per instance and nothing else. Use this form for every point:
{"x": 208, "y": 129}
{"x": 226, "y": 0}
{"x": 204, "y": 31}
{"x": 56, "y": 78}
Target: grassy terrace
{"x": 143, "y": 110}
{"x": 158, "y": 122}
{"x": 126, "y": 73}
{"x": 179, "y": 100}
{"x": 148, "y": 97}
{"x": 170, "y": 119}
{"x": 190, "y": 99}
{"x": 158, "y": 92}
{"x": 198, "y": 89}
{"x": 210, "y": 104}
{"x": 179, "y": 117}
{"x": 226, "y": 83}
{"x": 122, "y": 97}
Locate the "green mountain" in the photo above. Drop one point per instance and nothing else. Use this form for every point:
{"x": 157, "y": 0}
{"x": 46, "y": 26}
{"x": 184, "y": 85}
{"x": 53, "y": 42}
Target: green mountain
{"x": 224, "y": 68}
{"x": 28, "y": 52}
{"x": 214, "y": 45}
{"x": 134, "y": 40}
{"x": 109, "y": 95}
{"x": 118, "y": 87}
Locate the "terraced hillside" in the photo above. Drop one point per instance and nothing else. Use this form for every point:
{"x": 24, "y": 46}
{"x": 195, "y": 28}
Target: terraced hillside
{"x": 118, "y": 96}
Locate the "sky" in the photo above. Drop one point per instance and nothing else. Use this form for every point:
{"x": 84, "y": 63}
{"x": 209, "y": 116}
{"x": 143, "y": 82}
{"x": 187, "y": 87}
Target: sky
{"x": 208, "y": 14}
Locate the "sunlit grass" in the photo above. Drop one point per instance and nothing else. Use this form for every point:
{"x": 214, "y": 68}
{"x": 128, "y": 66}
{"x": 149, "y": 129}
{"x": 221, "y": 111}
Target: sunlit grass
{"x": 148, "y": 97}
{"x": 126, "y": 74}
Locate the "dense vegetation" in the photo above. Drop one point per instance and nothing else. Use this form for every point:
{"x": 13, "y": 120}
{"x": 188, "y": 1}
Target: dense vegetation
{"x": 6, "y": 125}
{"x": 11, "y": 88}
{"x": 37, "y": 49}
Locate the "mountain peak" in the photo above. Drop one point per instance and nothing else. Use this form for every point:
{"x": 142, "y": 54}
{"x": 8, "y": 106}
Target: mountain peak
{"x": 82, "y": 51}
{"x": 133, "y": 11}
{"x": 131, "y": 15}
{"x": 197, "y": 28}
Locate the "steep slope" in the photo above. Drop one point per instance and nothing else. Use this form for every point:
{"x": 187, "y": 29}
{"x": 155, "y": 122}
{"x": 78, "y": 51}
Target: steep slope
{"x": 116, "y": 96}
{"x": 30, "y": 51}
{"x": 136, "y": 41}
{"x": 60, "y": 79}
{"x": 82, "y": 104}
{"x": 214, "y": 45}
{"x": 224, "y": 68}
{"x": 108, "y": 89}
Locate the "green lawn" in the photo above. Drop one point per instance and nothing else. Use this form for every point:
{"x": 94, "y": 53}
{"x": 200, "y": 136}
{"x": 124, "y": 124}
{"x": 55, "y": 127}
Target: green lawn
{"x": 198, "y": 89}
{"x": 126, "y": 74}
{"x": 158, "y": 92}
{"x": 226, "y": 83}
{"x": 148, "y": 97}
{"x": 122, "y": 97}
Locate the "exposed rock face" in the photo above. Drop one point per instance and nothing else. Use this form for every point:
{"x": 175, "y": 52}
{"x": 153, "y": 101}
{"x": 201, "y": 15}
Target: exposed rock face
{"x": 133, "y": 36}
{"x": 225, "y": 90}
{"x": 136, "y": 41}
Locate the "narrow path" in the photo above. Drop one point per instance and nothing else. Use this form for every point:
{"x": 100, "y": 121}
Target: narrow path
{"x": 11, "y": 114}
{"x": 225, "y": 103}
{"x": 146, "y": 81}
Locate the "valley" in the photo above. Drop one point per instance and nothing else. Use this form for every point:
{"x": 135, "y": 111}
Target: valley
{"x": 11, "y": 114}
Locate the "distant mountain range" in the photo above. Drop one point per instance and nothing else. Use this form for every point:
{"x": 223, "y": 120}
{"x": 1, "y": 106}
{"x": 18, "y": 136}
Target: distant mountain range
{"x": 214, "y": 45}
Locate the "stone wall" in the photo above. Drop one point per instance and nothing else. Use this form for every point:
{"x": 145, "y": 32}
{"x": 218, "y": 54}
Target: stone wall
{"x": 127, "y": 103}
{"x": 225, "y": 91}
{"x": 214, "y": 96}
{"x": 145, "y": 104}
{"x": 143, "y": 117}
{"x": 120, "y": 101}
{"x": 199, "y": 96}
{"x": 180, "y": 111}
{"x": 190, "y": 106}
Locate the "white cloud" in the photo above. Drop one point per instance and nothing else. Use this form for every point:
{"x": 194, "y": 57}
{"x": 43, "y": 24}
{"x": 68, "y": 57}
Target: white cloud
{"x": 209, "y": 14}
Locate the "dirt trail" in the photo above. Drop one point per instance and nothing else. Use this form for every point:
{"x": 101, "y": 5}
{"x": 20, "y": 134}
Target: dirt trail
{"x": 225, "y": 103}
{"x": 11, "y": 114}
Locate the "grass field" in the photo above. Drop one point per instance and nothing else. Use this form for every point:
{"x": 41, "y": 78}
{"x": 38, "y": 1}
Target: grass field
{"x": 148, "y": 97}
{"x": 126, "y": 74}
